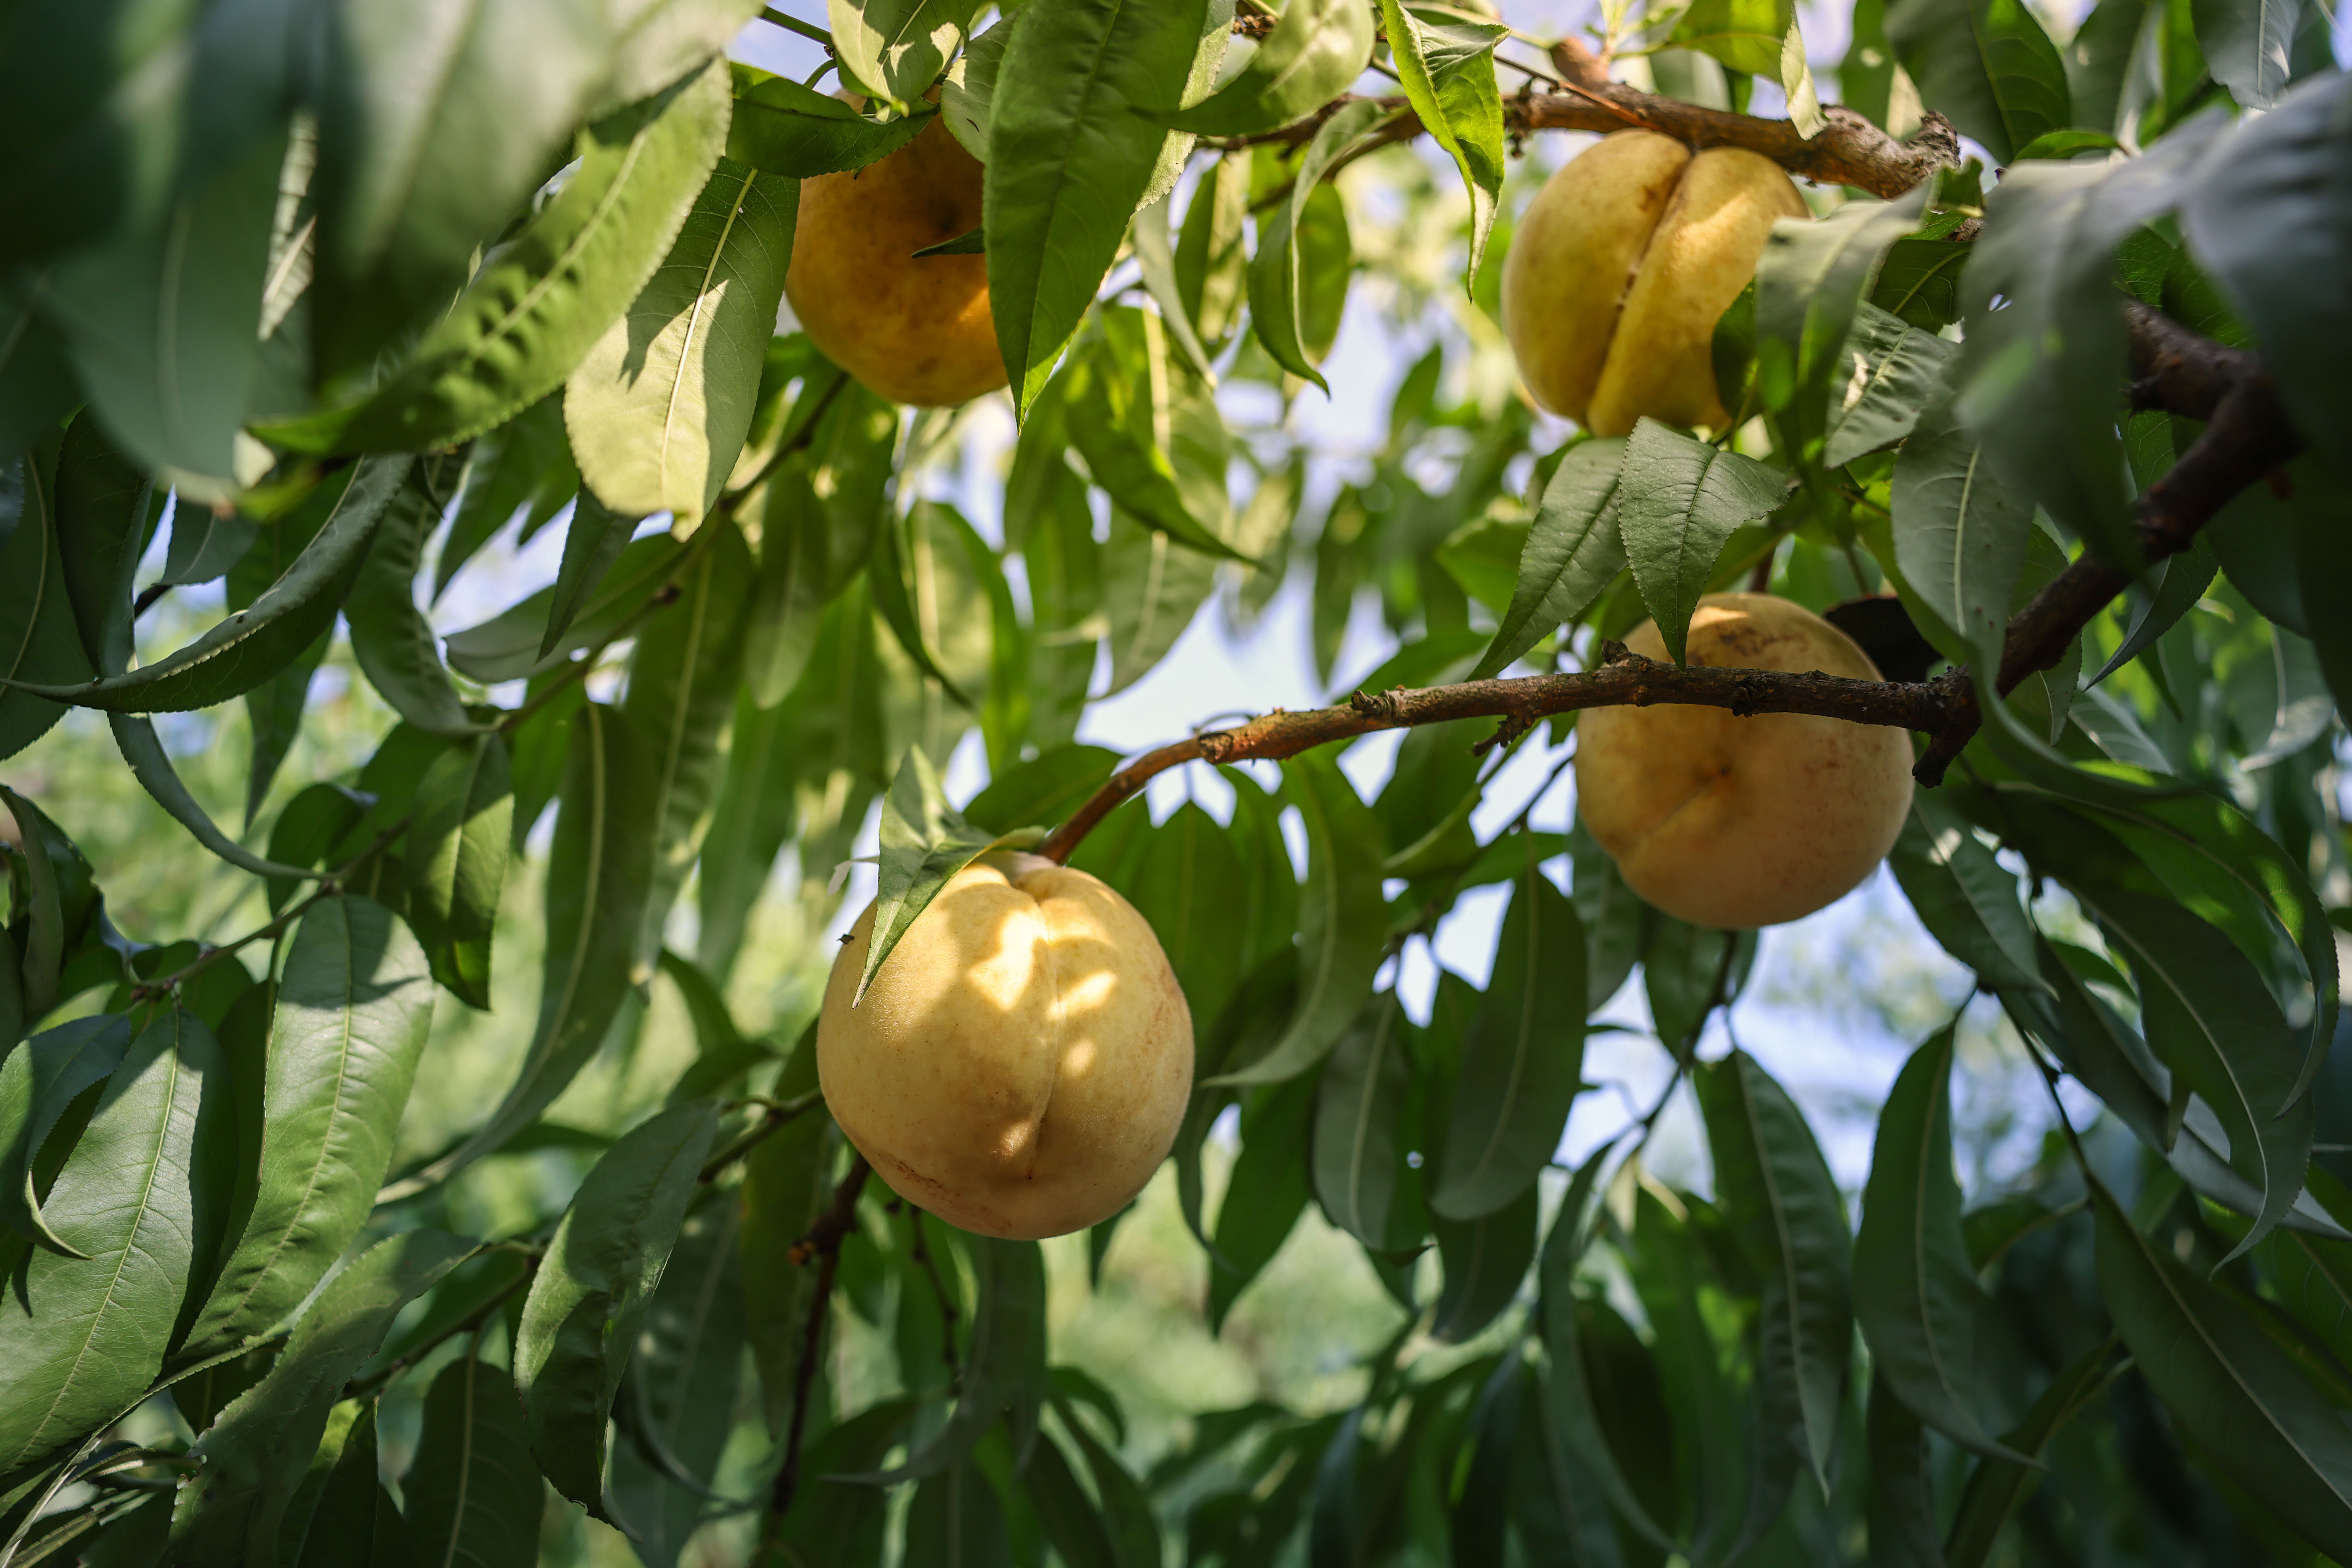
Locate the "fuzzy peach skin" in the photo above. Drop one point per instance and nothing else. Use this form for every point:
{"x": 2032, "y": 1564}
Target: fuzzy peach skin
{"x": 1021, "y": 1060}
{"x": 1736, "y": 823}
{"x": 1620, "y": 266}
{"x": 913, "y": 331}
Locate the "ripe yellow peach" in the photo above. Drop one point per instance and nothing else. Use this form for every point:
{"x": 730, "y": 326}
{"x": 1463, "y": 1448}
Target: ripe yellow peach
{"x": 1620, "y": 266}
{"x": 913, "y": 331}
{"x": 1731, "y": 822}
{"x": 1021, "y": 1060}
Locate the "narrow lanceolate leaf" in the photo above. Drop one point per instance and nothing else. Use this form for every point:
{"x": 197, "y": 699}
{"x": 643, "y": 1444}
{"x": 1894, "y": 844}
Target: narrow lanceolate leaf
{"x": 1678, "y": 500}
{"x": 1808, "y": 285}
{"x": 163, "y": 325}
{"x": 390, "y": 637}
{"x": 682, "y": 1385}
{"x": 658, "y": 410}
{"x": 37, "y": 378}
{"x": 2270, "y": 217}
{"x": 925, "y": 841}
{"x": 255, "y": 1455}
{"x": 508, "y": 646}
{"x": 1448, "y": 72}
{"x": 1522, "y": 1060}
{"x": 1779, "y": 1195}
{"x": 1999, "y": 1488}
{"x": 896, "y": 49}
{"x": 1004, "y": 1377}
{"x": 458, "y": 845}
{"x": 530, "y": 317}
{"x": 598, "y": 871}
{"x": 1359, "y": 1106}
{"x": 1274, "y": 1124}
{"x": 1959, "y": 535}
{"x": 682, "y": 681}
{"x": 1070, "y": 160}
{"x": 354, "y": 1005}
{"x": 591, "y": 545}
{"x": 2211, "y": 1019}
{"x": 475, "y": 1498}
{"x": 1485, "y": 1259}
{"x": 1881, "y": 385}
{"x": 142, "y": 749}
{"x": 106, "y": 510}
{"x": 83, "y": 1337}
{"x": 1572, "y": 553}
{"x": 434, "y": 128}
{"x": 1277, "y": 269}
{"x": 1901, "y": 1508}
{"x": 1964, "y": 897}
{"x": 1316, "y": 52}
{"x": 580, "y": 1321}
{"x": 255, "y": 643}
{"x": 36, "y": 1083}
{"x": 783, "y": 126}
{"x": 41, "y": 646}
{"x": 1987, "y": 64}
{"x": 2221, "y": 1373}
{"x": 1343, "y": 923}
{"x": 2246, "y": 45}
{"x": 1915, "y": 1294}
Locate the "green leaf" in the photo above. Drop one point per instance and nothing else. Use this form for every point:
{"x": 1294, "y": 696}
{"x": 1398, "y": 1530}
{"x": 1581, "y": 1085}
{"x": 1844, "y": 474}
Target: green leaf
{"x": 474, "y": 1494}
{"x": 598, "y": 870}
{"x": 580, "y": 1323}
{"x": 1484, "y": 1260}
{"x": 1360, "y": 1104}
{"x": 682, "y": 681}
{"x": 894, "y": 596}
{"x": 1572, "y": 553}
{"x": 1151, "y": 588}
{"x": 2274, "y": 1434}
{"x": 1448, "y": 72}
{"x": 163, "y": 326}
{"x": 1042, "y": 791}
{"x": 506, "y": 647}
{"x": 1678, "y": 501}
{"x": 36, "y": 1085}
{"x": 1119, "y": 415}
{"x": 1126, "y": 1508}
{"x": 790, "y": 593}
{"x": 925, "y": 841}
{"x": 2038, "y": 375}
{"x": 1280, "y": 287}
{"x": 787, "y": 1183}
{"x": 1884, "y": 379}
{"x": 390, "y": 637}
{"x": 256, "y": 1453}
{"x": 591, "y": 545}
{"x": 106, "y": 513}
{"x": 2211, "y": 1019}
{"x": 1961, "y": 536}
{"x": 1069, "y": 160}
{"x": 1743, "y": 33}
{"x": 354, "y": 1005}
{"x": 523, "y": 466}
{"x": 1524, "y": 1052}
{"x": 682, "y": 1384}
{"x": 1004, "y": 1374}
{"x": 1343, "y": 923}
{"x": 1901, "y": 1506}
{"x": 896, "y": 49}
{"x": 1921, "y": 1309}
{"x": 1997, "y": 1488}
{"x": 1987, "y": 65}
{"x": 206, "y": 543}
{"x": 255, "y": 643}
{"x": 45, "y": 648}
{"x": 457, "y": 846}
{"x": 1964, "y": 897}
{"x": 353, "y": 1520}
{"x": 530, "y": 317}
{"x": 434, "y": 130}
{"x": 1316, "y": 51}
{"x": 1210, "y": 263}
{"x": 2247, "y": 43}
{"x": 2268, "y": 215}
{"x": 1810, "y": 283}
{"x": 1265, "y": 1194}
{"x": 956, "y": 1521}
{"x": 36, "y": 377}
{"x": 797, "y": 133}
{"x": 658, "y": 410}
{"x": 142, "y": 749}
{"x": 1784, "y": 1206}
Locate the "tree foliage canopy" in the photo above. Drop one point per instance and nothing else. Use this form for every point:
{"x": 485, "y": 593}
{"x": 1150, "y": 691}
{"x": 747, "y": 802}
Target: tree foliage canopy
{"x": 330, "y": 307}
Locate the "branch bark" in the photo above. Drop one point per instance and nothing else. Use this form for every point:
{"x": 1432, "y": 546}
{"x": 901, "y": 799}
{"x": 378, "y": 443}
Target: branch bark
{"x": 2246, "y": 436}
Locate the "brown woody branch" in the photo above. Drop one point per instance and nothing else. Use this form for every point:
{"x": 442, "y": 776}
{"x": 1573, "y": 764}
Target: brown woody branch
{"x": 1849, "y": 150}
{"x": 823, "y": 1246}
{"x": 2246, "y": 436}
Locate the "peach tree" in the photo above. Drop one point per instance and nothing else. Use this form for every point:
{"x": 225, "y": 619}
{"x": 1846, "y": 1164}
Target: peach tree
{"x": 314, "y": 312}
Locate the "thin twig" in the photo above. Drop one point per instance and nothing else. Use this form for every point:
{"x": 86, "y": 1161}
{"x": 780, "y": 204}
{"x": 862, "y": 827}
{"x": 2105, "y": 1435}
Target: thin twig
{"x": 777, "y": 1112}
{"x": 473, "y": 1323}
{"x": 922, "y": 1255}
{"x": 823, "y": 1243}
{"x": 809, "y": 31}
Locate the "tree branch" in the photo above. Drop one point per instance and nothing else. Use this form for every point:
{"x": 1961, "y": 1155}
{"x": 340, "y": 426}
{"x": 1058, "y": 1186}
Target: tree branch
{"x": 2246, "y": 436}
{"x": 823, "y": 1243}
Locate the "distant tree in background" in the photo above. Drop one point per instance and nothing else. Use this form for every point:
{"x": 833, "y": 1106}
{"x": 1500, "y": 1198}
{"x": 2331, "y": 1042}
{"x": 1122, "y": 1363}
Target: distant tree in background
{"x": 2046, "y": 406}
